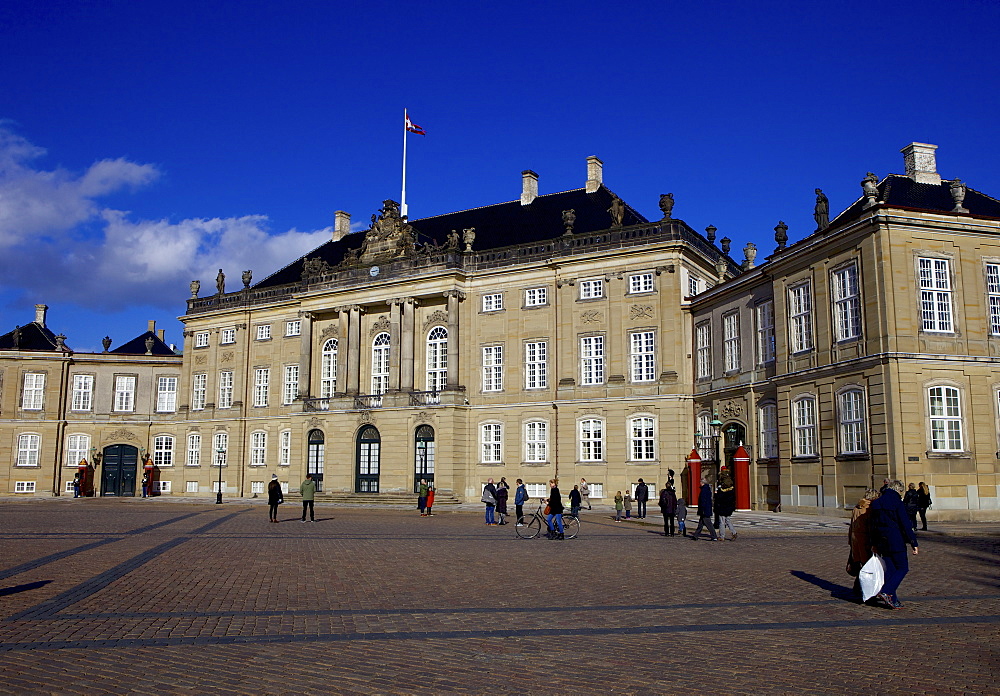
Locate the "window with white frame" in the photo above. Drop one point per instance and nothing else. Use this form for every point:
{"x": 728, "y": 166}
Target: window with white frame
{"x": 225, "y": 389}
{"x": 703, "y": 436}
{"x": 68, "y": 487}
{"x": 328, "y": 369}
{"x": 261, "y": 377}
{"x": 124, "y": 393}
{"x": 166, "y": 394}
{"x": 201, "y": 339}
{"x": 263, "y": 332}
{"x": 492, "y": 368}
{"x": 161, "y": 486}
{"x": 490, "y": 437}
{"x": 853, "y": 431}
{"x": 199, "y": 385}
{"x": 846, "y": 303}
{"x": 591, "y": 432}
{"x": 536, "y": 366}
{"x": 290, "y": 388}
{"x": 591, "y": 289}
{"x": 163, "y": 450}
{"x": 694, "y": 285}
{"x": 800, "y": 317}
{"x": 642, "y": 356}
{"x": 437, "y": 359}
{"x": 216, "y": 488}
{"x": 536, "y": 441}
{"x": 83, "y": 393}
{"x": 33, "y": 391}
{"x": 380, "y": 363}
{"x": 731, "y": 341}
{"x": 285, "y": 448}
{"x": 193, "y": 449}
{"x": 535, "y": 297}
{"x": 703, "y": 350}
{"x": 258, "y": 448}
{"x": 993, "y": 296}
{"x": 24, "y": 486}
{"x": 642, "y": 439}
{"x": 293, "y": 328}
{"x": 640, "y": 282}
{"x": 592, "y": 360}
{"x": 768, "y": 431}
{"x": 537, "y": 490}
{"x": 493, "y": 302}
{"x": 935, "y": 295}
{"x": 220, "y": 449}
{"x": 257, "y": 487}
{"x": 227, "y": 336}
{"x": 764, "y": 313}
{"x": 596, "y": 489}
{"x": 804, "y": 426}
{"x": 191, "y": 487}
{"x": 945, "y": 408}
{"x": 77, "y": 449}
{"x": 28, "y": 446}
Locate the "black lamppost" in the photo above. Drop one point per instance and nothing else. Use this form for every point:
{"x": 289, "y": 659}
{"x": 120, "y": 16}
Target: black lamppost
{"x": 220, "y": 459}
{"x": 716, "y": 426}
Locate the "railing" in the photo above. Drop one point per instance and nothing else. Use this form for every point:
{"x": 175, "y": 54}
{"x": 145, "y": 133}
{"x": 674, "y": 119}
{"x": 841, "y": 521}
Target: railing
{"x": 322, "y": 404}
{"x": 425, "y": 398}
{"x": 367, "y": 401}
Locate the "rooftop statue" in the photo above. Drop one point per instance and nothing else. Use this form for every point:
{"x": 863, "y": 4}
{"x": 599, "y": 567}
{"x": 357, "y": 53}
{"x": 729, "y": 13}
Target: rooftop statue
{"x": 667, "y": 205}
{"x": 220, "y": 282}
{"x": 821, "y": 213}
{"x": 617, "y": 211}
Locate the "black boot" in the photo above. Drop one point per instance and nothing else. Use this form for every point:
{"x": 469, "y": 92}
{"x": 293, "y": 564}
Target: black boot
{"x": 560, "y": 536}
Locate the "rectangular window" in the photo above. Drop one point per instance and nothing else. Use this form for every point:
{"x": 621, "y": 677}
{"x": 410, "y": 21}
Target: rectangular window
{"x": 993, "y": 296}
{"x": 263, "y": 332}
{"x": 731, "y": 341}
{"x": 293, "y": 328}
{"x": 935, "y": 295}
{"x": 166, "y": 394}
{"x": 257, "y": 487}
{"x": 765, "y": 332}
{"x": 194, "y": 449}
{"x": 769, "y": 431}
{"x": 24, "y": 486}
{"x": 490, "y": 435}
{"x": 493, "y": 302}
{"x": 640, "y": 282}
{"x": 34, "y": 391}
{"x": 642, "y": 438}
{"x": 534, "y": 297}
{"x": 124, "y": 392}
{"x": 492, "y": 368}
{"x": 537, "y": 490}
{"x": 261, "y": 375}
{"x": 290, "y": 390}
{"x": 216, "y": 488}
{"x": 703, "y": 350}
{"x": 191, "y": 487}
{"x": 226, "y": 389}
{"x": 846, "y": 303}
{"x": 800, "y": 318}
{"x": 946, "y": 419}
{"x": 703, "y": 437}
{"x": 592, "y": 360}
{"x": 228, "y": 336}
{"x": 536, "y": 441}
{"x": 220, "y": 447}
{"x": 201, "y": 339}
{"x": 285, "y": 448}
{"x": 28, "y": 446}
{"x": 694, "y": 285}
{"x": 596, "y": 489}
{"x": 591, "y": 440}
{"x": 804, "y": 424}
{"x": 591, "y": 289}
{"x": 258, "y": 448}
{"x": 83, "y": 392}
{"x": 163, "y": 450}
{"x": 161, "y": 486}
{"x": 536, "y": 365}
{"x": 852, "y": 422}
{"x": 77, "y": 449}
{"x": 642, "y": 355}
{"x": 198, "y": 391}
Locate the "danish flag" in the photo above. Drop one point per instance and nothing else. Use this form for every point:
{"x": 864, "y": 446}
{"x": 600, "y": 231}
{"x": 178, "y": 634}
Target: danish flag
{"x": 411, "y": 126}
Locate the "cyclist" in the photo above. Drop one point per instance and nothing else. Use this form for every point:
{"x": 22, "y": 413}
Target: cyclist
{"x": 555, "y": 511}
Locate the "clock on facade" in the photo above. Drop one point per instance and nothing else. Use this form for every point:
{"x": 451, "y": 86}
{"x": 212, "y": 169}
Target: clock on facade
{"x": 373, "y": 271}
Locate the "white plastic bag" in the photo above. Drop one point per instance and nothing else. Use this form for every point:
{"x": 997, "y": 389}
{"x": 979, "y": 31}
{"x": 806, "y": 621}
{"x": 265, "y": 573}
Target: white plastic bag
{"x": 872, "y": 577}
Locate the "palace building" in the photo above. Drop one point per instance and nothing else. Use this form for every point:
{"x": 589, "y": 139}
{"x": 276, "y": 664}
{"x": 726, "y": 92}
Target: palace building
{"x": 557, "y": 335}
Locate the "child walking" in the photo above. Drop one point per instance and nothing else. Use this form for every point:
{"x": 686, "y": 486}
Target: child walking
{"x": 682, "y": 513}
{"x": 618, "y": 506}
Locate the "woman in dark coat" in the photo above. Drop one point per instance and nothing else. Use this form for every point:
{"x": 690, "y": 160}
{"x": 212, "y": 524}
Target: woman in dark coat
{"x": 668, "y": 506}
{"x": 891, "y": 531}
{"x": 501, "y": 496}
{"x": 274, "y": 498}
{"x": 923, "y": 501}
{"x": 911, "y": 501}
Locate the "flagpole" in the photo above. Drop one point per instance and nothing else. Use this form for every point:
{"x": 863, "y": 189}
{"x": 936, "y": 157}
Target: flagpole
{"x": 402, "y": 202}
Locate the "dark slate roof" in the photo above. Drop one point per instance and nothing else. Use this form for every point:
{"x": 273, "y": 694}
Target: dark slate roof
{"x": 34, "y": 336}
{"x": 499, "y": 225}
{"x": 137, "y": 346}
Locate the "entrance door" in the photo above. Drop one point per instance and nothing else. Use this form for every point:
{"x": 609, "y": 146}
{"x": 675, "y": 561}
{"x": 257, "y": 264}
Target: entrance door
{"x": 369, "y": 449}
{"x": 317, "y": 453}
{"x": 423, "y": 464}
{"x": 735, "y": 435}
{"x": 119, "y": 465}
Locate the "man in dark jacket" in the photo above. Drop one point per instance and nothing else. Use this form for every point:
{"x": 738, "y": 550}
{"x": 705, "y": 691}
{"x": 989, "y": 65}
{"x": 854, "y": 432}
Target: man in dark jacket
{"x": 641, "y": 496}
{"x": 890, "y": 531}
{"x": 705, "y": 511}
{"x": 911, "y": 501}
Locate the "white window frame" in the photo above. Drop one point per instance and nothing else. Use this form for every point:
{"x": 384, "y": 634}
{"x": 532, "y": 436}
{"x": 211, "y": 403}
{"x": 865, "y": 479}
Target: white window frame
{"x": 285, "y": 448}
{"x": 201, "y": 339}
{"x": 591, "y": 360}
{"x": 492, "y": 368}
{"x": 536, "y": 441}
{"x": 83, "y": 393}
{"x": 293, "y": 327}
{"x": 536, "y": 364}
{"x": 226, "y": 378}
{"x": 161, "y": 486}
{"x": 191, "y": 487}
{"x": 29, "y": 447}
{"x": 163, "y": 450}
{"x": 199, "y": 393}
{"x": 642, "y": 355}
{"x": 536, "y": 297}
{"x": 935, "y": 295}
{"x": 220, "y": 440}
{"x": 124, "y": 393}
{"x": 166, "y": 394}
{"x": 193, "y": 450}
{"x": 766, "y": 349}
{"x": 694, "y": 284}
{"x": 704, "y": 443}
{"x": 491, "y": 443}
{"x": 731, "y": 341}
{"x": 493, "y": 302}
{"x": 800, "y": 317}
{"x": 261, "y": 380}
{"x": 596, "y": 490}
{"x": 227, "y": 336}
{"x": 328, "y": 368}
{"x": 436, "y": 377}
{"x": 703, "y": 350}
{"x": 591, "y": 438}
{"x": 257, "y": 487}
{"x": 804, "y": 427}
{"x": 263, "y": 332}
{"x": 380, "y": 363}
{"x": 537, "y": 490}
{"x": 33, "y": 391}
{"x": 993, "y": 296}
{"x": 24, "y": 486}
{"x": 846, "y": 303}
{"x": 258, "y": 448}
{"x": 77, "y": 448}
{"x": 290, "y": 387}
{"x": 640, "y": 282}
{"x": 768, "y": 422}
{"x": 642, "y": 438}
{"x": 592, "y": 289}
{"x": 947, "y": 429}
{"x": 852, "y": 417}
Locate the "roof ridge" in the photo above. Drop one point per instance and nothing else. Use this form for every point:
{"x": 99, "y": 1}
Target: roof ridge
{"x": 493, "y": 205}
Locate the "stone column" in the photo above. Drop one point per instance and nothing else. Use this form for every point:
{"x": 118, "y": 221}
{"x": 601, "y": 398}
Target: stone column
{"x": 454, "y": 296}
{"x": 305, "y": 355}
{"x": 395, "y": 309}
{"x": 354, "y": 351}
{"x": 407, "y": 344}
{"x": 343, "y": 343}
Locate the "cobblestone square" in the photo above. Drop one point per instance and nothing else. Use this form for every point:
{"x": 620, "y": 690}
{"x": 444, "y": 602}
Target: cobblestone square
{"x": 162, "y": 597}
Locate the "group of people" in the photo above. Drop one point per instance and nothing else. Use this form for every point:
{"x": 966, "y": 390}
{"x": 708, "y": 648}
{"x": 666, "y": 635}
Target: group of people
{"x": 916, "y": 501}
{"x": 425, "y": 498}
{"x": 623, "y": 503}
{"x": 496, "y": 494}
{"x": 275, "y": 497}
{"x": 881, "y": 524}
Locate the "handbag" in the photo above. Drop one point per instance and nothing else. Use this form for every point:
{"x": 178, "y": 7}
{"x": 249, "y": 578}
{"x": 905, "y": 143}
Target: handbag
{"x": 548, "y": 510}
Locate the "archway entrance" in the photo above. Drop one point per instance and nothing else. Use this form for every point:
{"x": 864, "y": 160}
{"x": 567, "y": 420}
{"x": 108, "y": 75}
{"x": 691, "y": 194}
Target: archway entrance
{"x": 315, "y": 458}
{"x": 367, "y": 460}
{"x": 423, "y": 461}
{"x": 119, "y": 465}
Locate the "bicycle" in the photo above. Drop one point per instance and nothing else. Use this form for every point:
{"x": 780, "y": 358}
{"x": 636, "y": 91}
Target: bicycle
{"x": 533, "y": 526}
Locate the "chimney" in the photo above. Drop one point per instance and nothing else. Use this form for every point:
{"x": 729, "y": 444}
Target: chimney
{"x": 160, "y": 334}
{"x": 40, "y": 310}
{"x": 595, "y": 174}
{"x": 921, "y": 165}
{"x": 151, "y": 325}
{"x": 529, "y": 186}
{"x": 341, "y": 225}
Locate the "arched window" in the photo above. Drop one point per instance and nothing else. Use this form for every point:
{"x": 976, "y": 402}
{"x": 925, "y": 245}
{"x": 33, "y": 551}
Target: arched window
{"x": 328, "y": 369}
{"x": 423, "y": 461}
{"x": 437, "y": 358}
{"x": 380, "y": 363}
{"x": 316, "y": 456}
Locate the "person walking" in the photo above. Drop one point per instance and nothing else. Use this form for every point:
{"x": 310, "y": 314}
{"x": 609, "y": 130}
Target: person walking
{"x": 911, "y": 501}
{"x": 725, "y": 506}
{"x": 274, "y": 498}
{"x": 891, "y": 531}
{"x": 430, "y": 499}
{"x": 628, "y": 505}
{"x": 924, "y": 501}
{"x": 705, "y": 511}
{"x": 641, "y": 497}
{"x": 520, "y": 498}
{"x": 859, "y": 537}
{"x": 308, "y": 491}
{"x": 619, "y": 506}
{"x": 490, "y": 498}
{"x": 584, "y": 493}
{"x": 422, "y": 498}
{"x": 668, "y": 506}
{"x": 502, "y": 493}
{"x": 554, "y": 519}
{"x": 575, "y": 499}
{"x": 682, "y": 513}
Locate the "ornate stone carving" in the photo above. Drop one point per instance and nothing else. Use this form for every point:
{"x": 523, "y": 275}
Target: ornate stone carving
{"x": 569, "y": 219}
{"x": 313, "y": 268}
{"x": 106, "y": 342}
{"x": 617, "y": 211}
{"x": 220, "y": 282}
{"x": 329, "y": 332}
{"x": 641, "y": 312}
{"x": 870, "y": 187}
{"x": 381, "y": 324}
{"x": 200, "y": 359}
{"x": 389, "y": 236}
{"x": 749, "y": 255}
{"x": 710, "y": 233}
{"x": 958, "y": 190}
{"x": 453, "y": 241}
{"x": 314, "y": 423}
{"x": 425, "y": 417}
{"x": 592, "y": 316}
{"x": 149, "y": 342}
{"x": 667, "y": 205}
{"x": 228, "y": 356}
{"x": 731, "y": 409}
{"x": 195, "y": 287}
{"x": 781, "y": 235}
{"x": 469, "y": 238}
{"x": 366, "y": 418}
{"x": 437, "y": 317}
{"x": 821, "y": 213}
{"x": 120, "y": 434}
{"x": 726, "y": 242}
{"x": 247, "y": 278}
{"x": 641, "y": 409}
{"x": 454, "y": 293}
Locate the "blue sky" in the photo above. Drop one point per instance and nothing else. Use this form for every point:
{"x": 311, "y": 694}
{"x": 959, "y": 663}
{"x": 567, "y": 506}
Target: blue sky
{"x": 145, "y": 144}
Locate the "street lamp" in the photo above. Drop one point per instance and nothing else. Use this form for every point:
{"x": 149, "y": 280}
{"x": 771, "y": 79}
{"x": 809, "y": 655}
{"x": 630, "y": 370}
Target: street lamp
{"x": 716, "y": 426}
{"x": 221, "y": 458}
